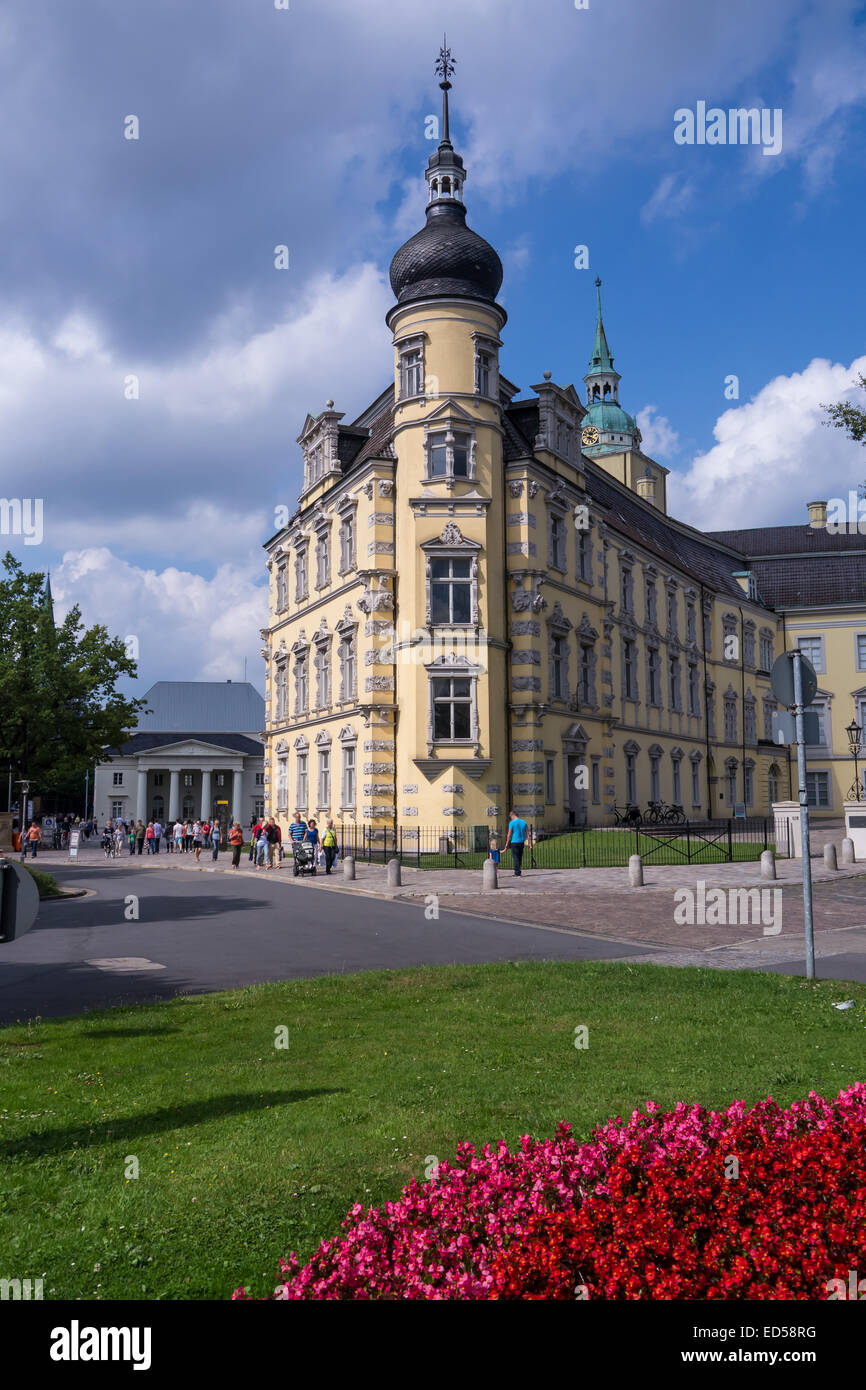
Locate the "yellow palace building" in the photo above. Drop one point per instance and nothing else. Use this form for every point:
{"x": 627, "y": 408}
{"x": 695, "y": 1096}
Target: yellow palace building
{"x": 481, "y": 605}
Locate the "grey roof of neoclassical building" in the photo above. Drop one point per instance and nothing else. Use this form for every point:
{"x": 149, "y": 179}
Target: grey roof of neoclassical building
{"x": 225, "y": 707}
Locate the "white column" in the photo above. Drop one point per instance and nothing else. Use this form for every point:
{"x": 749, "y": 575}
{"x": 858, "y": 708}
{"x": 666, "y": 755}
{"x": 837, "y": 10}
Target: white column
{"x": 237, "y": 797}
{"x": 173, "y": 797}
{"x": 206, "y": 806}
{"x": 141, "y": 798}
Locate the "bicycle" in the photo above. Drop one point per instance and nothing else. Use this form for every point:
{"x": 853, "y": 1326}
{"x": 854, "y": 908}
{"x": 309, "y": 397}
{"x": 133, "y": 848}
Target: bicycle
{"x": 631, "y": 816}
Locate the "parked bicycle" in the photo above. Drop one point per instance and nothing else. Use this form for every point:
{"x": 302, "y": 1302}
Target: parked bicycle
{"x": 659, "y": 813}
{"x": 630, "y": 815}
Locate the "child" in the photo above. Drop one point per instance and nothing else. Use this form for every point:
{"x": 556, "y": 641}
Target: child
{"x": 494, "y": 848}
{"x": 261, "y": 848}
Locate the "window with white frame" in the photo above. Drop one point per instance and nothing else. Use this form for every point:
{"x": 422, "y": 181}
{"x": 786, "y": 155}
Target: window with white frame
{"x": 731, "y": 718}
{"x": 449, "y": 454}
{"x": 260, "y": 779}
{"x": 629, "y": 669}
{"x": 860, "y": 642}
{"x": 586, "y": 673}
{"x": 813, "y": 649}
{"x": 259, "y": 807}
{"x": 691, "y": 621}
{"x": 749, "y": 783}
{"x": 696, "y": 783}
{"x": 731, "y": 640}
{"x": 766, "y": 650}
{"x": 116, "y": 809}
{"x": 596, "y": 781}
{"x": 731, "y": 780}
{"x": 651, "y": 603}
{"x": 324, "y": 779}
{"x": 818, "y": 789}
{"x": 655, "y": 782}
{"x": 117, "y": 779}
{"x": 315, "y": 463}
{"x": 282, "y": 782}
{"x": 452, "y": 708}
{"x": 302, "y": 789}
{"x": 672, "y": 610}
{"x": 631, "y": 777}
{"x": 323, "y": 560}
{"x": 300, "y": 574}
{"x": 584, "y": 555}
{"x": 323, "y": 675}
{"x": 550, "y": 779}
{"x": 348, "y": 666}
{"x": 749, "y": 644}
{"x": 558, "y": 667}
{"x": 348, "y": 792}
{"x": 347, "y": 544}
{"x": 653, "y": 678}
{"x": 282, "y": 587}
{"x": 282, "y": 692}
{"x": 486, "y": 370}
{"x": 676, "y": 781}
{"x": 450, "y": 590}
{"x": 187, "y": 779}
{"x": 302, "y": 684}
{"x": 412, "y": 371}
{"x": 626, "y": 588}
{"x": 674, "y": 683}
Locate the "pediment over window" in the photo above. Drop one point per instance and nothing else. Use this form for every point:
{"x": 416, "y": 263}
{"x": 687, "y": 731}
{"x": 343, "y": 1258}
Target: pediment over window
{"x": 301, "y": 743}
{"x": 451, "y": 538}
{"x": 656, "y": 751}
{"x": 347, "y": 623}
{"x": 450, "y": 409}
{"x": 631, "y": 747}
{"x": 348, "y": 734}
{"x": 323, "y": 737}
{"x": 452, "y": 662}
{"x": 585, "y": 628}
{"x": 558, "y": 619}
{"x": 576, "y": 733}
{"x": 300, "y": 644}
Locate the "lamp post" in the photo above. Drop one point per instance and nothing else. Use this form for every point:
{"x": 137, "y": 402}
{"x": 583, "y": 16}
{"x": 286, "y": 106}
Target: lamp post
{"x": 854, "y": 732}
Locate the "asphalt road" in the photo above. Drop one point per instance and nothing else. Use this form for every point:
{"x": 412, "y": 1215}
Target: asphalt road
{"x": 196, "y": 933}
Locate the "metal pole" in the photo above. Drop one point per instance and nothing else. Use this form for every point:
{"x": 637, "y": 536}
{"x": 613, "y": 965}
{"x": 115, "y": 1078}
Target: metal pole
{"x": 804, "y": 814}
{"x": 86, "y": 791}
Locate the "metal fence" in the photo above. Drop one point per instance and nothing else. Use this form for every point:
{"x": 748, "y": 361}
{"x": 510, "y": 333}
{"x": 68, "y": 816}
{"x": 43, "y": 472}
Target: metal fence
{"x": 572, "y": 847}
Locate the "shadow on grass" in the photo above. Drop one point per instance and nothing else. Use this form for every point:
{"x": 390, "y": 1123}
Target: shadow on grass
{"x": 58, "y": 1141}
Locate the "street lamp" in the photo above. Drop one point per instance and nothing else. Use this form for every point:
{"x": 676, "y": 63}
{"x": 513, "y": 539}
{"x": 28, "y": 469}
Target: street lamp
{"x": 854, "y": 732}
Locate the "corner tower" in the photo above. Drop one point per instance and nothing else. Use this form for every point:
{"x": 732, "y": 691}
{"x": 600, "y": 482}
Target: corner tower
{"x": 450, "y": 642}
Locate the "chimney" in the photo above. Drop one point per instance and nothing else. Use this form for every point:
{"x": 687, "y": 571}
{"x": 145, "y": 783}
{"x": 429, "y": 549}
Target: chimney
{"x": 817, "y": 514}
{"x": 646, "y": 488}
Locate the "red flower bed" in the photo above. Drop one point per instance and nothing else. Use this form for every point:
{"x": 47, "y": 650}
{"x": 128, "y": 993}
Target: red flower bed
{"x": 690, "y": 1204}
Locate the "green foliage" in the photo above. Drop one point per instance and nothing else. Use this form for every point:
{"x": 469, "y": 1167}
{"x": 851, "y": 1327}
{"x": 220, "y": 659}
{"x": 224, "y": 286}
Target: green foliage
{"x": 59, "y": 707}
{"x": 844, "y": 416}
{"x": 46, "y": 883}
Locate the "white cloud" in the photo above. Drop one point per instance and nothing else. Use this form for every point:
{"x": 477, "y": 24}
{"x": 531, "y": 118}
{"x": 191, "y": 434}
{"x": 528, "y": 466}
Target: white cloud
{"x": 672, "y": 196}
{"x": 187, "y": 627}
{"x": 774, "y": 454}
{"x": 658, "y": 438}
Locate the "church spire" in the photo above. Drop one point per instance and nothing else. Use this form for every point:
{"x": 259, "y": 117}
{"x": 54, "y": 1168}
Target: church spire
{"x": 444, "y": 67}
{"x": 601, "y": 359}
{"x": 445, "y": 174}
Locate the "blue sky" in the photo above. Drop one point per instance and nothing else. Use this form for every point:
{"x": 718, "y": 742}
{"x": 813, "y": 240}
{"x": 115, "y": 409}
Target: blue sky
{"x": 306, "y": 127}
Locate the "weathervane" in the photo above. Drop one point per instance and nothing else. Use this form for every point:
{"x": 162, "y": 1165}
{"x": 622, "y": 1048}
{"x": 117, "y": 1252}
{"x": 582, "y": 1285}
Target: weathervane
{"x": 445, "y": 64}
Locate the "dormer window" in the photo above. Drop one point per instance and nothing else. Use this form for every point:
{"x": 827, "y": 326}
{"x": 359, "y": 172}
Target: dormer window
{"x": 411, "y": 366}
{"x": 315, "y": 464}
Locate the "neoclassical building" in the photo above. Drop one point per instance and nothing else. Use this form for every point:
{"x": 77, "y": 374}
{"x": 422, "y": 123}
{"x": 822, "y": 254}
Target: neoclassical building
{"x": 481, "y": 603}
{"x": 196, "y": 753}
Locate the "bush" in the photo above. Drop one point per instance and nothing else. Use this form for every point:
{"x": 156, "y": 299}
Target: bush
{"x": 691, "y": 1204}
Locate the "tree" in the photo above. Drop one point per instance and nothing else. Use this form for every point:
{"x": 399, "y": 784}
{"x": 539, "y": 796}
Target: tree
{"x": 845, "y": 416}
{"x": 59, "y": 708}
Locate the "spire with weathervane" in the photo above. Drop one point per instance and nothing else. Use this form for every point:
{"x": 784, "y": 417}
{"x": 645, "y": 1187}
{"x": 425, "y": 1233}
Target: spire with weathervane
{"x": 607, "y": 428}
{"x": 602, "y": 382}
{"x": 445, "y": 174}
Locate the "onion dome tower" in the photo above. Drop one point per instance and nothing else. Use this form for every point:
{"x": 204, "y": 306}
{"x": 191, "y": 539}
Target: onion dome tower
{"x": 446, "y": 258}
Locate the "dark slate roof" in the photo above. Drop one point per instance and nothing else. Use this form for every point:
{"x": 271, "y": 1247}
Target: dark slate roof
{"x": 378, "y": 445}
{"x": 446, "y": 258}
{"x": 233, "y": 706}
{"x": 234, "y": 743}
{"x": 689, "y": 550}
{"x": 789, "y": 564}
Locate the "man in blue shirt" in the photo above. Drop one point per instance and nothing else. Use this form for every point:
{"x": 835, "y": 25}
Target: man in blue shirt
{"x": 297, "y": 829}
{"x": 516, "y": 841}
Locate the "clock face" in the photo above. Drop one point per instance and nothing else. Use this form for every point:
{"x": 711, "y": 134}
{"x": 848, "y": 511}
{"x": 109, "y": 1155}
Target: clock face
{"x": 589, "y": 435}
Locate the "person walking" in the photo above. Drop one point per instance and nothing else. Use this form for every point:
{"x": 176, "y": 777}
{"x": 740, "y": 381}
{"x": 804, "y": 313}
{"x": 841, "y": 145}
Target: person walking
{"x": 261, "y": 847}
{"x": 255, "y": 831}
{"x": 205, "y": 833}
{"x": 236, "y": 840}
{"x": 187, "y": 837}
{"x": 297, "y": 829}
{"x": 148, "y": 836}
{"x": 33, "y": 839}
{"x": 157, "y": 835}
{"x": 312, "y": 838}
{"x": 273, "y": 840}
{"x": 329, "y": 845}
{"x": 130, "y": 837}
{"x": 215, "y": 838}
{"x": 197, "y": 839}
{"x": 516, "y": 841}
{"x": 139, "y": 836}
{"x": 119, "y": 837}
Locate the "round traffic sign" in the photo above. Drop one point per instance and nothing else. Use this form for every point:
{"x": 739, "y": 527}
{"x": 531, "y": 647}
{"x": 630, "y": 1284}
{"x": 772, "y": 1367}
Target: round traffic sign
{"x": 782, "y": 679}
{"x": 19, "y": 900}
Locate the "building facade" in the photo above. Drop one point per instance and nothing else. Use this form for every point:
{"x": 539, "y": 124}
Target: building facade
{"x": 197, "y": 753}
{"x": 481, "y": 605}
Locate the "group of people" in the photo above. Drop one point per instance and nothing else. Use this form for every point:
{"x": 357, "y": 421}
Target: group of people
{"x": 266, "y": 841}
{"x": 183, "y": 837}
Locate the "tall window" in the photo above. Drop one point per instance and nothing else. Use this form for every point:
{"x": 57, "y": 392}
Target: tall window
{"x": 861, "y": 651}
{"x": 813, "y": 649}
{"x": 749, "y": 645}
{"x": 766, "y": 651}
{"x": 696, "y": 783}
{"x": 282, "y": 588}
{"x": 672, "y": 610}
{"x": 674, "y": 682}
{"x": 769, "y": 711}
{"x": 301, "y": 574}
{"x": 691, "y": 631}
{"x": 347, "y": 544}
{"x": 708, "y": 632}
{"x": 626, "y": 589}
{"x": 558, "y": 667}
{"x": 412, "y": 372}
{"x": 731, "y": 720}
{"x": 323, "y": 677}
{"x": 452, "y": 708}
{"x": 282, "y": 692}
{"x": 349, "y": 776}
{"x": 629, "y": 674}
{"x": 596, "y": 781}
{"x": 324, "y": 779}
{"x": 694, "y": 690}
{"x": 315, "y": 464}
{"x": 654, "y": 777}
{"x": 818, "y": 789}
{"x": 557, "y": 542}
{"x": 448, "y": 455}
{"x": 653, "y": 694}
{"x": 302, "y": 789}
{"x": 450, "y": 590}
{"x": 630, "y": 777}
{"x": 483, "y": 362}
{"x": 750, "y": 722}
{"x": 347, "y": 668}
{"x": 116, "y": 810}
{"x": 282, "y": 784}
{"x": 731, "y": 780}
{"x": 117, "y": 779}
{"x": 301, "y": 685}
{"x": 748, "y": 784}
{"x": 550, "y": 780}
{"x": 323, "y": 560}
{"x": 650, "y": 602}
{"x": 585, "y": 691}
{"x": 584, "y": 555}
{"x": 820, "y": 708}
{"x": 773, "y": 784}
{"x": 677, "y": 782}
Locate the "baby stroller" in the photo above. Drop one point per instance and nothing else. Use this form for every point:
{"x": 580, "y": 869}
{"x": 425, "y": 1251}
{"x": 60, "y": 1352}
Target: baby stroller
{"x": 305, "y": 859}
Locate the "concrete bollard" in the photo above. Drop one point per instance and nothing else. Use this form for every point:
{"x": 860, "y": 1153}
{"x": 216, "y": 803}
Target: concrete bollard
{"x": 635, "y": 872}
{"x": 489, "y": 876}
{"x": 768, "y": 864}
{"x": 848, "y": 851}
{"x": 394, "y": 880}
{"x": 830, "y": 857}
{"x": 348, "y": 867}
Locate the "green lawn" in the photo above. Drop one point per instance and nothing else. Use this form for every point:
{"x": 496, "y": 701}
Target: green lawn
{"x": 600, "y": 849}
{"x": 246, "y": 1151}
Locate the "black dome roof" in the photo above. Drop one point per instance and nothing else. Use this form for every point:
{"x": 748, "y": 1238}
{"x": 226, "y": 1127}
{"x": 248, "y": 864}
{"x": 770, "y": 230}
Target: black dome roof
{"x": 446, "y": 258}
